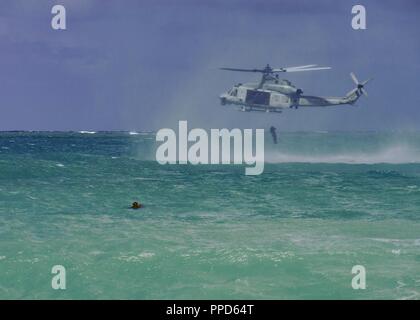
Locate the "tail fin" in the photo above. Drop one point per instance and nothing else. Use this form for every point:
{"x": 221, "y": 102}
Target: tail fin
{"x": 355, "y": 94}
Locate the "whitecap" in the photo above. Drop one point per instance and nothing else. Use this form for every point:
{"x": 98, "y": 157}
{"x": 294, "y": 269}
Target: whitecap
{"x": 136, "y": 258}
{"x": 146, "y": 254}
{"x": 397, "y": 154}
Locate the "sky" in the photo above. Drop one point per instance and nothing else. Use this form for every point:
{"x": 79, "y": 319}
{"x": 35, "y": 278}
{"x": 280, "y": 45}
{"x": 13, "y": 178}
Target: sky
{"x": 145, "y": 65}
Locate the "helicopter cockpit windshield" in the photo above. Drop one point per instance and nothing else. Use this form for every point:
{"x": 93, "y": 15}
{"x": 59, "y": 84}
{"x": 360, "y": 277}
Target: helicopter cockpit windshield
{"x": 233, "y": 92}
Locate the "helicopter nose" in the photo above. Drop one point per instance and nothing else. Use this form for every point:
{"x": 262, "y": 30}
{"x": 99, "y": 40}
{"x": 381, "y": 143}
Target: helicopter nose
{"x": 222, "y": 100}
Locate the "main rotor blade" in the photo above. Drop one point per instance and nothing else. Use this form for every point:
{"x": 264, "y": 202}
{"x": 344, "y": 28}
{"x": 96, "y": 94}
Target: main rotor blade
{"x": 242, "y": 70}
{"x": 298, "y": 67}
{"x": 307, "y": 69}
{"x": 353, "y": 76}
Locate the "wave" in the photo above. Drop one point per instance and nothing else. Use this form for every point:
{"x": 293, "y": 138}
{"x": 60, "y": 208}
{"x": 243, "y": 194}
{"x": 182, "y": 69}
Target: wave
{"x": 392, "y": 155}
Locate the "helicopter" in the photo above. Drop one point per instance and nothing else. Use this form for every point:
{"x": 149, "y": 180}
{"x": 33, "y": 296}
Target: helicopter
{"x": 272, "y": 94}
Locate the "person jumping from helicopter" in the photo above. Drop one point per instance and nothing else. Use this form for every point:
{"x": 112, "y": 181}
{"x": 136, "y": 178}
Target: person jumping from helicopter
{"x": 273, "y": 134}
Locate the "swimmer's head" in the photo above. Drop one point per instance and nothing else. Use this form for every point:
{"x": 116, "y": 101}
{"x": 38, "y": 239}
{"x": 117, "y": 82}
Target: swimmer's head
{"x": 135, "y": 205}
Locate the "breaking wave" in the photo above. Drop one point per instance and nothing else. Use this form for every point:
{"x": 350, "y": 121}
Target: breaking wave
{"x": 397, "y": 154}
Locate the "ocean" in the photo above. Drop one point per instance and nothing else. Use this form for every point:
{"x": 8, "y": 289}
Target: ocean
{"x": 327, "y": 201}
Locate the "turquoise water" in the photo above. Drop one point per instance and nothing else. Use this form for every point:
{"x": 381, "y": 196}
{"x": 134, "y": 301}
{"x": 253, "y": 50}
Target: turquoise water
{"x": 325, "y": 202}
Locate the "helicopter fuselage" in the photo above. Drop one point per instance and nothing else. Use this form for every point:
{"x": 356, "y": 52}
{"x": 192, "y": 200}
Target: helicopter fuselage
{"x": 273, "y": 97}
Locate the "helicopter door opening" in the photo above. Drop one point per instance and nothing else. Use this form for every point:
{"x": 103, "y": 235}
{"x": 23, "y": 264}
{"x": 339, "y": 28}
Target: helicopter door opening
{"x": 257, "y": 97}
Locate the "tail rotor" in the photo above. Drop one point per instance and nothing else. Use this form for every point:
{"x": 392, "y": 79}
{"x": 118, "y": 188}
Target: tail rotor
{"x": 360, "y": 85}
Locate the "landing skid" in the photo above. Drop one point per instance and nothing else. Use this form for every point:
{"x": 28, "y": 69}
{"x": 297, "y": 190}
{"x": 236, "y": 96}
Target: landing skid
{"x": 266, "y": 110}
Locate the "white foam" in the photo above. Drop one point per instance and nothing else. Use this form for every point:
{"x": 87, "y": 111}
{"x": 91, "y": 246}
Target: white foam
{"x": 87, "y": 132}
{"x": 393, "y": 155}
{"x": 136, "y": 258}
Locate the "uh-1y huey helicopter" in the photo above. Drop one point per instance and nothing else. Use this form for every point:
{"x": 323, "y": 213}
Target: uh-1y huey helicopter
{"x": 272, "y": 94}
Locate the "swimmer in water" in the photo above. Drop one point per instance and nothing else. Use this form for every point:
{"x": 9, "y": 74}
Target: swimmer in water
{"x": 136, "y": 205}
